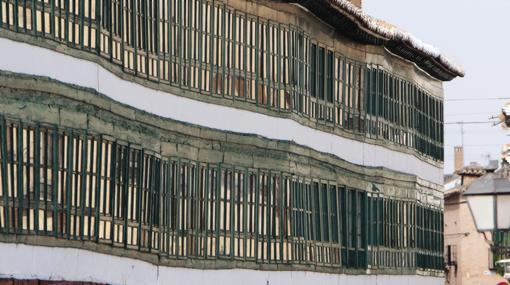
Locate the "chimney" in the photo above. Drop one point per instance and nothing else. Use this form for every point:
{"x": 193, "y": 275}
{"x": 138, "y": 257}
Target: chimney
{"x": 358, "y": 3}
{"x": 458, "y": 153}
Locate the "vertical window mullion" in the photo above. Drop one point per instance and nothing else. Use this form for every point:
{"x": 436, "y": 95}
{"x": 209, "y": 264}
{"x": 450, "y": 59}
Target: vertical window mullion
{"x": 5, "y": 193}
{"x": 83, "y": 185}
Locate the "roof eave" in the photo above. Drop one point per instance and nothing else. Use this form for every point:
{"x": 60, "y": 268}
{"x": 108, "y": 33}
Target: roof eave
{"x": 350, "y": 24}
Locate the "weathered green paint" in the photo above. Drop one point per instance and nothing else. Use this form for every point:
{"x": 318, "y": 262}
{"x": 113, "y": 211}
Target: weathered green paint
{"x": 323, "y": 168}
{"x": 5, "y": 177}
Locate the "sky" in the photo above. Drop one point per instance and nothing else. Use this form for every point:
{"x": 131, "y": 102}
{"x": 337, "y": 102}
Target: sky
{"x": 473, "y": 34}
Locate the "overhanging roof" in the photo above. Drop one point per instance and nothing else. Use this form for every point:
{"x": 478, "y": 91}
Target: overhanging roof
{"x": 489, "y": 184}
{"x": 354, "y": 23}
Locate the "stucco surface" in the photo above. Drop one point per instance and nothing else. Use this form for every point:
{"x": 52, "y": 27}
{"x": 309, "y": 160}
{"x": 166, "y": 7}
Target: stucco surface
{"x": 53, "y": 263}
{"x": 28, "y": 59}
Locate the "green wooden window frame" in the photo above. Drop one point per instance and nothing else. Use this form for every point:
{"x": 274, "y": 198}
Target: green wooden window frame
{"x": 75, "y": 185}
{"x": 210, "y": 48}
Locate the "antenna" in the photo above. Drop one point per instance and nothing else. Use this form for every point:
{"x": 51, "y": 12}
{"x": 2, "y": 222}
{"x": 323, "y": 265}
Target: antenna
{"x": 462, "y": 134}
{"x": 487, "y": 157}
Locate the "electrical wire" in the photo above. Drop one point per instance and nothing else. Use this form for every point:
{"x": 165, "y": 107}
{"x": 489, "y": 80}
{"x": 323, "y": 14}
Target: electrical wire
{"x": 476, "y": 99}
{"x": 471, "y": 123}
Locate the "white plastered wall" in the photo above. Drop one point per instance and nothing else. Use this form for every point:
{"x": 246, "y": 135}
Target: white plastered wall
{"x": 21, "y": 261}
{"x": 28, "y": 59}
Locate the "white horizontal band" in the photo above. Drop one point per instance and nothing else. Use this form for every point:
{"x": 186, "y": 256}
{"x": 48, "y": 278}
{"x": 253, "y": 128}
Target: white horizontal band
{"x": 21, "y": 261}
{"x": 24, "y": 58}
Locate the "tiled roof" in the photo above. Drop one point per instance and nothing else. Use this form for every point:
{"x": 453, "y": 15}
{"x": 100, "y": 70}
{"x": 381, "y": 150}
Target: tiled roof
{"x": 351, "y": 20}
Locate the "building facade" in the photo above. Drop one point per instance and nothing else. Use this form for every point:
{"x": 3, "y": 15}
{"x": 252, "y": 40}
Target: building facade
{"x": 471, "y": 255}
{"x": 208, "y": 141}
{"x": 467, "y": 251}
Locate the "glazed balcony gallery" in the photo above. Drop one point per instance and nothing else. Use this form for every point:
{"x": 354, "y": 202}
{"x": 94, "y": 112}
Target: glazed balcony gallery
{"x": 269, "y": 137}
{"x": 215, "y": 50}
{"x": 76, "y": 186}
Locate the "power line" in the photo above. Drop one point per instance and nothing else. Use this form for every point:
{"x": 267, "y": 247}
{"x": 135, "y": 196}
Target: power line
{"x": 467, "y": 114}
{"x": 474, "y": 131}
{"x": 470, "y": 123}
{"x": 476, "y": 99}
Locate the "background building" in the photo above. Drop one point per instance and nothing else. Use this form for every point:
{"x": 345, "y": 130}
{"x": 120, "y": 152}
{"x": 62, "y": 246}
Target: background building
{"x": 471, "y": 254}
{"x": 469, "y": 259}
{"x": 205, "y": 141}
